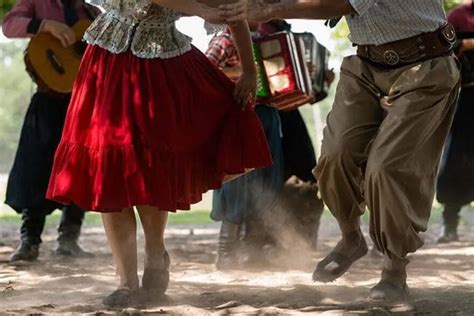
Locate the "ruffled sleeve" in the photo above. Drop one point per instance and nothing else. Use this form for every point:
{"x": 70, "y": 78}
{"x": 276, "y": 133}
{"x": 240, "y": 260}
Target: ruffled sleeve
{"x": 149, "y": 32}
{"x": 111, "y": 31}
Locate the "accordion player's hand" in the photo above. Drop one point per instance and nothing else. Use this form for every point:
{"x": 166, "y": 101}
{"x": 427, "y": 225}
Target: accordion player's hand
{"x": 329, "y": 76}
{"x": 246, "y": 89}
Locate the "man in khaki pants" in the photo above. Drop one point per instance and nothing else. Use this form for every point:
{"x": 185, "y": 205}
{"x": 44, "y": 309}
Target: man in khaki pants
{"x": 394, "y": 105}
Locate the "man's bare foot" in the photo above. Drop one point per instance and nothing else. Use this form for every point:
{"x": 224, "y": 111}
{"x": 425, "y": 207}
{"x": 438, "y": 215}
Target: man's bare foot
{"x": 392, "y": 287}
{"x": 351, "y": 248}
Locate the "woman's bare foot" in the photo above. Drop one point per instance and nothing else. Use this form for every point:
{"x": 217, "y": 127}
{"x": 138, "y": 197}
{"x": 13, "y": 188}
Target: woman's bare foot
{"x": 156, "y": 278}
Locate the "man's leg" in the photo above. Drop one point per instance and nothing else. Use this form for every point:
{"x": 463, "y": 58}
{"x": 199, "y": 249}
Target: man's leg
{"x": 351, "y": 126}
{"x": 32, "y": 226}
{"x": 69, "y": 231}
{"x": 403, "y": 162}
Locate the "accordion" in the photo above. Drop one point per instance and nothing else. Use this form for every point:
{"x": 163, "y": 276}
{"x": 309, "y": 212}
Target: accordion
{"x": 284, "y": 78}
{"x": 318, "y": 57}
{"x": 282, "y": 72}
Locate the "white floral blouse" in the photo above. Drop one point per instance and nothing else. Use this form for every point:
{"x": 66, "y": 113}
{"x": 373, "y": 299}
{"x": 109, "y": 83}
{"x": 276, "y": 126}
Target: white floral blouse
{"x": 146, "y": 29}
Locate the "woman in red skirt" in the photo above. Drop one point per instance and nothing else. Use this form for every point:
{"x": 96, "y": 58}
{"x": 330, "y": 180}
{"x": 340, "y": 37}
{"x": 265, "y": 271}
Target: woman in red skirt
{"x": 152, "y": 124}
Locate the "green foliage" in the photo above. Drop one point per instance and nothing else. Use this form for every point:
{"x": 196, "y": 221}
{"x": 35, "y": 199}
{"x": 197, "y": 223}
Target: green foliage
{"x": 5, "y": 6}
{"x": 340, "y": 35}
{"x": 15, "y": 92}
{"x": 450, "y": 4}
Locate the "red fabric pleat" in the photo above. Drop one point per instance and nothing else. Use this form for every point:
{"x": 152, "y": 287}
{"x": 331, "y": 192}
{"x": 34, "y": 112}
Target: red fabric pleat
{"x": 157, "y": 132}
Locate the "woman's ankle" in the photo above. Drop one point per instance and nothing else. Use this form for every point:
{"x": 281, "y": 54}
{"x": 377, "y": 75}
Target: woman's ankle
{"x": 131, "y": 283}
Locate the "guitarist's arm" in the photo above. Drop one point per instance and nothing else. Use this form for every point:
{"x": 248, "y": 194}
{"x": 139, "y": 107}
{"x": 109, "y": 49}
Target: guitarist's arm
{"x": 22, "y": 22}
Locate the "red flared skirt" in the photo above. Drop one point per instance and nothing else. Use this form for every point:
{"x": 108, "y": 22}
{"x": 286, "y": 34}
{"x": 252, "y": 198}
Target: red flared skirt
{"x": 156, "y": 132}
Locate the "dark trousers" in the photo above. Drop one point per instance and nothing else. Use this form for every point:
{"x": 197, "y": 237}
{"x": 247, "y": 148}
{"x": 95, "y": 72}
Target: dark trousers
{"x": 34, "y": 221}
{"x": 298, "y": 151}
{"x": 451, "y": 214}
{"x": 29, "y": 177}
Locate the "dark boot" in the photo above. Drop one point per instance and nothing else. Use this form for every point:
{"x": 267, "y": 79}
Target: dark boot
{"x": 31, "y": 229}
{"x": 257, "y": 243}
{"x": 227, "y": 246}
{"x": 449, "y": 232}
{"x": 69, "y": 231}
{"x": 25, "y": 252}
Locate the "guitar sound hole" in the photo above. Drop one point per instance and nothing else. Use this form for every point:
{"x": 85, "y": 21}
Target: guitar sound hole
{"x": 54, "y": 62}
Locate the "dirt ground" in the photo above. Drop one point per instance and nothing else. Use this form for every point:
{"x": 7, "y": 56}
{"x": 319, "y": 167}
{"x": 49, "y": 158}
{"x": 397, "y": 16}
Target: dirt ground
{"x": 441, "y": 279}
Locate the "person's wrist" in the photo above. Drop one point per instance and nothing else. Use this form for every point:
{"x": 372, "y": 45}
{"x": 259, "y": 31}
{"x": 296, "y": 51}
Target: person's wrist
{"x": 44, "y": 27}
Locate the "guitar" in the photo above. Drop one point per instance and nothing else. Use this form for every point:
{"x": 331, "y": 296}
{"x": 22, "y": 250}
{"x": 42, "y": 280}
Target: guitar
{"x": 51, "y": 66}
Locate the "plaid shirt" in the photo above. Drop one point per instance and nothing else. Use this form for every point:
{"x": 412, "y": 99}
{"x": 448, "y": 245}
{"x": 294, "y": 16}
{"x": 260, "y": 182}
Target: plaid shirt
{"x": 379, "y": 22}
{"x": 222, "y": 51}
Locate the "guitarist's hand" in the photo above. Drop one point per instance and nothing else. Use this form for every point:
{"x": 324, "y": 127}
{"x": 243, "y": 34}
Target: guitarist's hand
{"x": 60, "y": 31}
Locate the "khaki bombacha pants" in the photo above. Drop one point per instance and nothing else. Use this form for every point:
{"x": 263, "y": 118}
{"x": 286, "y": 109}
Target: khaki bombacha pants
{"x": 382, "y": 145}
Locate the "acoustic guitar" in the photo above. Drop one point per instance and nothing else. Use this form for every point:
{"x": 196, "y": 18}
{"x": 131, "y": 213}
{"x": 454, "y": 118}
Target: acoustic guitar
{"x": 51, "y": 66}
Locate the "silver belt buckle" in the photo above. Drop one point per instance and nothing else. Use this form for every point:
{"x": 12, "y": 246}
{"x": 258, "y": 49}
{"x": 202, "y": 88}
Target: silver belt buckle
{"x": 449, "y": 34}
{"x": 391, "y": 57}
